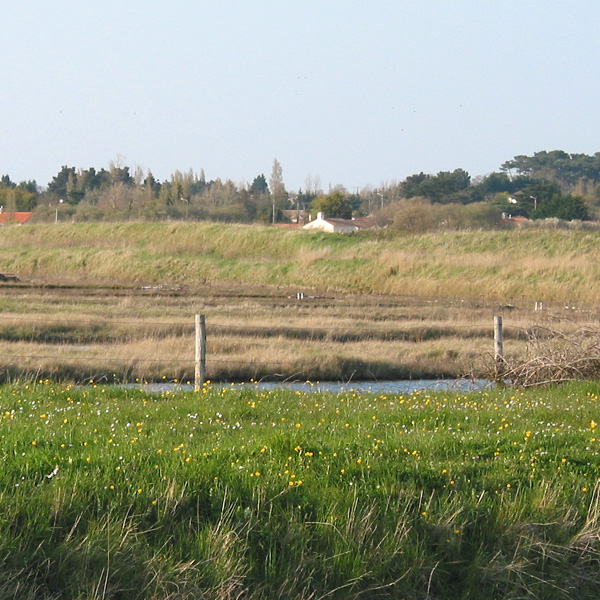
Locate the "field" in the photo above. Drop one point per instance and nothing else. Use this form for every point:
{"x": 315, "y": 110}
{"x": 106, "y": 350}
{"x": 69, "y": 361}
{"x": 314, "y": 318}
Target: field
{"x": 234, "y": 493}
{"x": 116, "y": 301}
{"x": 237, "y": 493}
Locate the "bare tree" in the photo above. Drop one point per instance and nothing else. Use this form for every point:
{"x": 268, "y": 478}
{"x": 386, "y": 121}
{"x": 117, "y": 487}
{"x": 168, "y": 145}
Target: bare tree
{"x": 276, "y": 181}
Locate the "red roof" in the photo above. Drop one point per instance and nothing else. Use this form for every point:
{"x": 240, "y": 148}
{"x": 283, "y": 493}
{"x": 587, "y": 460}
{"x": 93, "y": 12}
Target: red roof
{"x": 12, "y": 217}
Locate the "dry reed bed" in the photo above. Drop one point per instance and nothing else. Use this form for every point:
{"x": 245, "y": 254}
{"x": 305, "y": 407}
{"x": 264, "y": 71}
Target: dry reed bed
{"x": 235, "y": 357}
{"x": 91, "y": 333}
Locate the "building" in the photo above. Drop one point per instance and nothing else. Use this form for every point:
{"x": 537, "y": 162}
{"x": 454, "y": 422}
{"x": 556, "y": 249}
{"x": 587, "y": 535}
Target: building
{"x": 295, "y": 216}
{"x": 14, "y": 218}
{"x": 331, "y": 225}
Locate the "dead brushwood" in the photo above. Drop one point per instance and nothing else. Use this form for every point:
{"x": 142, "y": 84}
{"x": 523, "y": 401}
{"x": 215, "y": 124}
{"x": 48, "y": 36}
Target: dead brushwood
{"x": 551, "y": 357}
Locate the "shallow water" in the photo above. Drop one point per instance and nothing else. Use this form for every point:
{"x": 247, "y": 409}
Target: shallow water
{"x": 376, "y": 387}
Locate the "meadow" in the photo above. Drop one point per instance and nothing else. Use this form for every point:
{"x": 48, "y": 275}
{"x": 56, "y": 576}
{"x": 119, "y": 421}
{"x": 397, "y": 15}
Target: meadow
{"x": 551, "y": 265}
{"x": 233, "y": 492}
{"x": 237, "y": 493}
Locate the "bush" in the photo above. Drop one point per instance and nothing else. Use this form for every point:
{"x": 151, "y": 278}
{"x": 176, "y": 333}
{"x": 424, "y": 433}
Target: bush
{"x": 419, "y": 215}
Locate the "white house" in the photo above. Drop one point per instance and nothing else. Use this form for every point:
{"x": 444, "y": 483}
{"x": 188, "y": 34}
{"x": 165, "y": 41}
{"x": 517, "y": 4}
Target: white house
{"x": 339, "y": 225}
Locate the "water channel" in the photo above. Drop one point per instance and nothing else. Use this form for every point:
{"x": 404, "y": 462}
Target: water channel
{"x": 375, "y": 387}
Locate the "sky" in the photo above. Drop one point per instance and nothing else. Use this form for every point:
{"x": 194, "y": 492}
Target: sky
{"x": 354, "y": 93}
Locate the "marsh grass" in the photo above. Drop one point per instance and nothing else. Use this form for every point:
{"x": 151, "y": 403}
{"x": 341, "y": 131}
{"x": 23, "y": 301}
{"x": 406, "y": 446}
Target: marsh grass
{"x": 503, "y": 266}
{"x": 76, "y": 333}
{"x": 241, "y": 493}
{"x": 117, "y": 300}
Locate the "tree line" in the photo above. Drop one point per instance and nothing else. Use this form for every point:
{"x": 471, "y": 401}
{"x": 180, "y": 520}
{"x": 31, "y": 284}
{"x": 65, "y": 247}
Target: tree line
{"x": 545, "y": 185}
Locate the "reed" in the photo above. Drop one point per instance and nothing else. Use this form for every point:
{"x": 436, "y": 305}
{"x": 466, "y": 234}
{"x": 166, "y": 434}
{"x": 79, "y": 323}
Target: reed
{"x": 134, "y": 334}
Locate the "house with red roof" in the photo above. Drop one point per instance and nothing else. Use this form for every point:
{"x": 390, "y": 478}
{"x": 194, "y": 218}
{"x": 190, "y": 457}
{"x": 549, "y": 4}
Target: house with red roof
{"x": 14, "y": 218}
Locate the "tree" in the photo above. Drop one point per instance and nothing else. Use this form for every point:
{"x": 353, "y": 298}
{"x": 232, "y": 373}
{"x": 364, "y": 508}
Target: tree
{"x": 59, "y": 182}
{"x": 121, "y": 175}
{"x": 334, "y": 205}
{"x": 557, "y": 166}
{"x": 276, "y": 185}
{"x": 17, "y": 199}
{"x": 29, "y": 186}
{"x": 496, "y": 183}
{"x": 533, "y": 196}
{"x": 411, "y": 186}
{"x": 312, "y": 185}
{"x": 444, "y": 187}
{"x": 567, "y": 208}
{"x": 259, "y": 185}
{"x": 5, "y": 182}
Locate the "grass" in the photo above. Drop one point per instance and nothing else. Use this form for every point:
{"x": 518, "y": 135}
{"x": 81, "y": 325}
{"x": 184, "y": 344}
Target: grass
{"x": 504, "y": 266}
{"x": 128, "y": 333}
{"x": 239, "y": 493}
{"x": 117, "y": 300}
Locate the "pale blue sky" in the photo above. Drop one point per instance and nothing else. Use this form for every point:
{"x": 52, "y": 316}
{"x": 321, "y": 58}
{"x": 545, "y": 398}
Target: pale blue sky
{"x": 355, "y": 92}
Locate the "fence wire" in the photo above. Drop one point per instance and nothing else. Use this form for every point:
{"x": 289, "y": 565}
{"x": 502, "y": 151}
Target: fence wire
{"x": 390, "y": 331}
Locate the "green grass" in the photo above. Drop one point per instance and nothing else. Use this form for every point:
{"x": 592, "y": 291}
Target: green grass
{"x": 238, "y": 493}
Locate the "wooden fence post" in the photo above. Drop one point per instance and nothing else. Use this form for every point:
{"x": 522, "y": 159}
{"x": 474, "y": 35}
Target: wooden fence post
{"x": 498, "y": 344}
{"x": 200, "y": 363}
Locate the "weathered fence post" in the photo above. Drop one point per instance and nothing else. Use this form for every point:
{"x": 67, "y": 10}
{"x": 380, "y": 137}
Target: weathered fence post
{"x": 498, "y": 345}
{"x": 200, "y": 364}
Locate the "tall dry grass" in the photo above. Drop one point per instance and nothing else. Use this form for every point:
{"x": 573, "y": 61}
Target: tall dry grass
{"x": 129, "y": 335}
{"x": 533, "y": 264}
{"x": 120, "y": 298}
